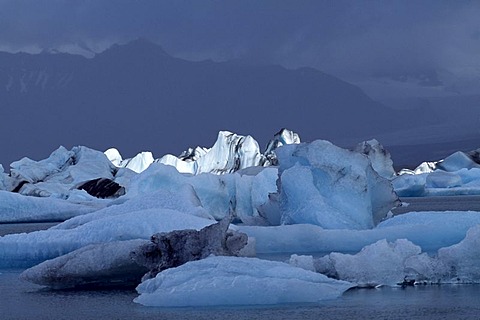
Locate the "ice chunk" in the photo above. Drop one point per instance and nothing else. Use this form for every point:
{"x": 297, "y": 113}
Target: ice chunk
{"x": 381, "y": 263}
{"x": 457, "y": 161}
{"x": 183, "y": 199}
{"x": 384, "y": 263}
{"x": 410, "y": 185}
{"x": 463, "y": 259}
{"x": 429, "y": 230}
{"x": 96, "y": 265}
{"x": 221, "y": 195}
{"x": 19, "y": 208}
{"x": 137, "y": 164}
{"x": 114, "y": 156}
{"x": 34, "y": 171}
{"x": 441, "y": 179}
{"x": 58, "y": 175}
{"x": 335, "y": 188}
{"x": 304, "y": 262}
{"x": 172, "y": 249}
{"x": 237, "y": 281}
{"x": 231, "y": 152}
{"x": 379, "y": 157}
{"x": 29, "y": 249}
{"x": 281, "y": 138}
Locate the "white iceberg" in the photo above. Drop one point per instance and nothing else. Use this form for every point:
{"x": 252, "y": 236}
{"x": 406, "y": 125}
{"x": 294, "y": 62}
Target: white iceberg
{"x": 230, "y": 153}
{"x": 402, "y": 262}
{"x": 463, "y": 259}
{"x": 217, "y": 281}
{"x": 137, "y": 164}
{"x": 381, "y": 263}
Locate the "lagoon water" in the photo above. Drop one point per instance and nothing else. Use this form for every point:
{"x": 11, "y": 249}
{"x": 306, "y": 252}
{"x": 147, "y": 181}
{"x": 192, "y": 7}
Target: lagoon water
{"x": 22, "y": 300}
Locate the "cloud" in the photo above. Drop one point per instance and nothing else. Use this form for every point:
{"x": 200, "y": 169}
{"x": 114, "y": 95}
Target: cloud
{"x": 335, "y": 36}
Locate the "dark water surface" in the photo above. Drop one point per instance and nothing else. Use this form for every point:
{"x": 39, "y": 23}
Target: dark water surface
{"x": 23, "y": 300}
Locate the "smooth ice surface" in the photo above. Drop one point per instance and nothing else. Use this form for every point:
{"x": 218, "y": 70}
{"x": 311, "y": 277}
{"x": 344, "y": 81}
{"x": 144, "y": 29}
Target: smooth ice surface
{"x": 29, "y": 249}
{"x": 15, "y": 207}
{"x": 429, "y": 230}
{"x": 334, "y": 188}
{"x": 182, "y": 199}
{"x": 237, "y": 281}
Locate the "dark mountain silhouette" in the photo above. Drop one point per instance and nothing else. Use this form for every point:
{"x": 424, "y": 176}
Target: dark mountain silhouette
{"x": 137, "y": 97}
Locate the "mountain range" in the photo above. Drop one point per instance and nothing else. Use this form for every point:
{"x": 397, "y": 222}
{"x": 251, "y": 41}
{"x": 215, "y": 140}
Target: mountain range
{"x": 137, "y": 97}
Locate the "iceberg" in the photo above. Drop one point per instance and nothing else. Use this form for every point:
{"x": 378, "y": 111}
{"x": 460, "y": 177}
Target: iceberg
{"x": 220, "y": 195}
{"x": 463, "y": 259}
{"x": 381, "y": 263}
{"x": 334, "y": 188}
{"x": 222, "y": 281}
{"x": 457, "y": 174}
{"x": 60, "y": 174}
{"x": 428, "y": 230}
{"x": 379, "y": 157}
{"x": 96, "y": 265}
{"x": 25, "y": 250}
{"x": 230, "y": 153}
{"x": 137, "y": 164}
{"x": 172, "y": 249}
{"x": 15, "y": 207}
{"x": 402, "y": 262}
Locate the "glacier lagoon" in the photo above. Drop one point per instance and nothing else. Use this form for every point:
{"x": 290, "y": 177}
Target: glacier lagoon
{"x": 278, "y": 205}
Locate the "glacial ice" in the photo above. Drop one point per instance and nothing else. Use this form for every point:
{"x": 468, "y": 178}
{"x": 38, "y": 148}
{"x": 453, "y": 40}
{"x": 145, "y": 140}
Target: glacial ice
{"x": 104, "y": 264}
{"x": 15, "y": 207}
{"x": 230, "y": 153}
{"x": 328, "y": 186}
{"x": 172, "y": 249}
{"x": 381, "y": 263}
{"x": 137, "y": 164}
{"x": 429, "y": 230}
{"x": 379, "y": 157}
{"x": 60, "y": 174}
{"x": 463, "y": 259}
{"x": 457, "y": 174}
{"x": 220, "y": 195}
{"x": 25, "y": 250}
{"x": 327, "y": 199}
{"x": 217, "y": 281}
{"x": 401, "y": 261}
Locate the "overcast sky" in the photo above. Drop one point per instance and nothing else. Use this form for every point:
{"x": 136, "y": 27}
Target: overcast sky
{"x": 356, "y": 37}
